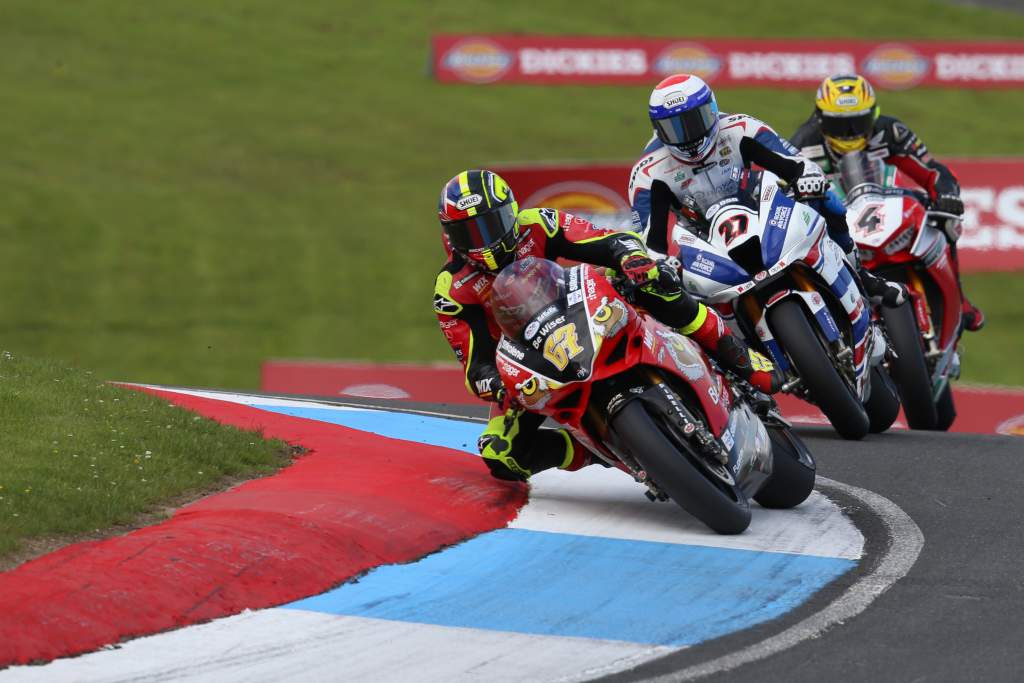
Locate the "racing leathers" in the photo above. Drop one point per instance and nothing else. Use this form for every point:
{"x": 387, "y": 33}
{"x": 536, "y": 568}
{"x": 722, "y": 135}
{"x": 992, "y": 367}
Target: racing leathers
{"x": 894, "y": 143}
{"x": 660, "y": 183}
{"x": 513, "y": 445}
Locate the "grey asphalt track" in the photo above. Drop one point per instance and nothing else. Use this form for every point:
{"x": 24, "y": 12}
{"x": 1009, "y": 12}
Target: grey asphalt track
{"x": 958, "y": 615}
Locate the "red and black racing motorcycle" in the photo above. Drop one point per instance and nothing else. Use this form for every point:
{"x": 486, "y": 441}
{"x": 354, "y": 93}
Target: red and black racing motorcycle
{"x": 899, "y": 238}
{"x": 644, "y": 397}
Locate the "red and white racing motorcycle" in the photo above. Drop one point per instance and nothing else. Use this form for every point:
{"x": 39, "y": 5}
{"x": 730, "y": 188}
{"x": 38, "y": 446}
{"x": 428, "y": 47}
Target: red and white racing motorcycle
{"x": 642, "y": 396}
{"x": 900, "y": 239}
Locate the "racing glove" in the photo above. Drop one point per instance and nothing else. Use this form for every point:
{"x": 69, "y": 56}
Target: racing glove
{"x": 949, "y": 203}
{"x": 812, "y": 182}
{"x": 640, "y": 268}
{"x": 490, "y": 388}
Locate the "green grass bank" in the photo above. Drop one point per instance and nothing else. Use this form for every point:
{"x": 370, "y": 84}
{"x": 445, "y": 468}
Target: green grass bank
{"x": 192, "y": 187}
{"x": 79, "y": 455}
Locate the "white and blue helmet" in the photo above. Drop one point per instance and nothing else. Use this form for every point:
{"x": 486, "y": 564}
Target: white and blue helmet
{"x": 685, "y": 116}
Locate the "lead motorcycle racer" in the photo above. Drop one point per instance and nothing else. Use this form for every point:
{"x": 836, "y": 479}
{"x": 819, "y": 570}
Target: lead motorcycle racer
{"x": 694, "y": 151}
{"x": 847, "y": 119}
{"x": 484, "y": 230}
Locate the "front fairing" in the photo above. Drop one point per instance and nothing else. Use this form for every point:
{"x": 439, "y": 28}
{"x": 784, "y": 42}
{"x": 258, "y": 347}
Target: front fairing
{"x": 559, "y": 350}
{"x": 745, "y": 248}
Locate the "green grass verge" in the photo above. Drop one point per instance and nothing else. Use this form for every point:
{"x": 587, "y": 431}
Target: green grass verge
{"x": 80, "y": 455}
{"x": 993, "y": 355}
{"x": 192, "y": 187}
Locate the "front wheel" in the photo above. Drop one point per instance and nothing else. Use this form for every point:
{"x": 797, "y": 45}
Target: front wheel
{"x": 909, "y": 369}
{"x": 836, "y": 399}
{"x": 724, "y": 509}
{"x": 792, "y": 471}
{"x": 883, "y": 405}
{"x": 945, "y": 409}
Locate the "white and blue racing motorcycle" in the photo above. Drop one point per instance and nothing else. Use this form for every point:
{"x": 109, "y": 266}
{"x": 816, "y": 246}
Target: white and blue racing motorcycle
{"x": 766, "y": 262}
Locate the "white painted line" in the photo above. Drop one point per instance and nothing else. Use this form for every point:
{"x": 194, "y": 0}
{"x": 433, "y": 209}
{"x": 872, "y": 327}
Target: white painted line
{"x": 282, "y": 644}
{"x": 335, "y": 404}
{"x": 906, "y": 542}
{"x": 596, "y": 501}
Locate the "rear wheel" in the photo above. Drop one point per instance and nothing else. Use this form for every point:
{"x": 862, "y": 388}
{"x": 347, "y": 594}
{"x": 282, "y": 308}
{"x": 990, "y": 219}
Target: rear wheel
{"x": 724, "y": 509}
{"x": 945, "y": 409}
{"x": 801, "y": 343}
{"x": 909, "y": 370}
{"x": 883, "y": 405}
{"x": 792, "y": 477}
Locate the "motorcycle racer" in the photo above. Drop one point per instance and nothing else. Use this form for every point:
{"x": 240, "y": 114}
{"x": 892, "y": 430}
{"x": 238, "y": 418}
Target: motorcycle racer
{"x": 695, "y": 151}
{"x": 846, "y": 119}
{"x": 484, "y": 230}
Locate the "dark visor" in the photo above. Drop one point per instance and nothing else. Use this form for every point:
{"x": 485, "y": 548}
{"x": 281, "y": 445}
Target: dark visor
{"x": 482, "y": 231}
{"x": 848, "y": 127}
{"x": 686, "y": 128}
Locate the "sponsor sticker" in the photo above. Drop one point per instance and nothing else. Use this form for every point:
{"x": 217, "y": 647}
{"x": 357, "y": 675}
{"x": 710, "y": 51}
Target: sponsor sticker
{"x": 780, "y": 217}
{"x": 1012, "y": 427}
{"x": 468, "y": 202}
{"x": 674, "y": 99}
{"x": 895, "y": 66}
{"x": 688, "y": 58}
{"x": 702, "y": 265}
{"x": 506, "y": 347}
{"x": 478, "y": 60}
{"x": 531, "y": 330}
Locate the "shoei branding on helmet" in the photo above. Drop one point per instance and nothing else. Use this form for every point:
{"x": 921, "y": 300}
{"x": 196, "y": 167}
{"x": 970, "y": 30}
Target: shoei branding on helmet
{"x": 675, "y": 100}
{"x": 466, "y": 202}
{"x": 846, "y": 100}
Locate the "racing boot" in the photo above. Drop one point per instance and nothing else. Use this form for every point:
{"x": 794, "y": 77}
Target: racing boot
{"x": 974, "y": 318}
{"x": 732, "y": 353}
{"x": 514, "y": 448}
{"x": 892, "y": 294}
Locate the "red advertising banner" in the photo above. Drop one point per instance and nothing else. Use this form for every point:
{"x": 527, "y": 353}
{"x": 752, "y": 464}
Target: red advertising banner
{"x": 993, "y": 194}
{"x": 724, "y": 62}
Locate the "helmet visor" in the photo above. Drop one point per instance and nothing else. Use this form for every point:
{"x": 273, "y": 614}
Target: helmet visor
{"x": 481, "y": 231}
{"x": 848, "y": 127}
{"x": 686, "y": 128}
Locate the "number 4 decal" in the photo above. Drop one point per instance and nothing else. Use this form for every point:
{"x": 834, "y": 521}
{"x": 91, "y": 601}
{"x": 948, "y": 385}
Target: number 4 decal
{"x": 869, "y": 219}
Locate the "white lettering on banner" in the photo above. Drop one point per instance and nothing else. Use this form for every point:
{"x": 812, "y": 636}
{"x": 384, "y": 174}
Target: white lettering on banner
{"x": 979, "y": 67}
{"x": 993, "y": 220}
{"x": 583, "y": 61}
{"x": 789, "y": 66}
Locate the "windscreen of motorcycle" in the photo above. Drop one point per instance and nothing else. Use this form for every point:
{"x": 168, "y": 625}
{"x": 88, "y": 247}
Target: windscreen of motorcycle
{"x": 857, "y": 170}
{"x": 546, "y": 327}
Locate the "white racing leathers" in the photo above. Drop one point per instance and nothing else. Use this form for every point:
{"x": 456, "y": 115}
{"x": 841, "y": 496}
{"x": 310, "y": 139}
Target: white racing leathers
{"x": 659, "y": 180}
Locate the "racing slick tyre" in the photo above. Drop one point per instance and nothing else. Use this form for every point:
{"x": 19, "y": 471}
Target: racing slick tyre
{"x": 945, "y": 409}
{"x": 722, "y": 508}
{"x": 793, "y": 468}
{"x": 800, "y": 342}
{"x": 883, "y": 405}
{"x": 908, "y": 369}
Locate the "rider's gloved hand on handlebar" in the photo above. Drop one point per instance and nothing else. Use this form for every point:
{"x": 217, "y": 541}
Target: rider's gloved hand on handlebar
{"x": 640, "y": 268}
{"x": 949, "y": 203}
{"x": 812, "y": 183}
{"x": 490, "y": 388}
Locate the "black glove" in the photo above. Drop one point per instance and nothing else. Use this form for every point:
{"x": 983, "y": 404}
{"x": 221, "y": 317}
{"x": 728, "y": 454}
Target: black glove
{"x": 812, "y": 182}
{"x": 490, "y": 388}
{"x": 949, "y": 203}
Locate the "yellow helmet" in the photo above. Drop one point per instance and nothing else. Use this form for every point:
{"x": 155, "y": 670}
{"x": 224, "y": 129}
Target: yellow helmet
{"x": 846, "y": 110}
